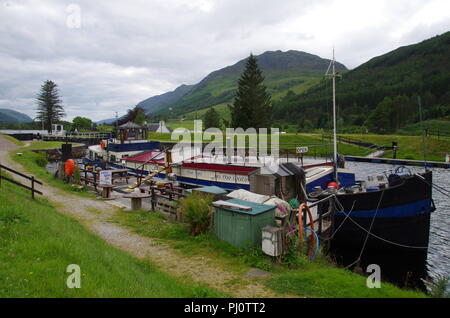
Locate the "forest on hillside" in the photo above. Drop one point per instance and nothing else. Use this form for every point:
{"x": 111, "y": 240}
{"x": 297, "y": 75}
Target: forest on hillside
{"x": 382, "y": 94}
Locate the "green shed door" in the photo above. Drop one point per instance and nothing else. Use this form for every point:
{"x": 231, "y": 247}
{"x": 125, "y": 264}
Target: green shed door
{"x": 243, "y": 233}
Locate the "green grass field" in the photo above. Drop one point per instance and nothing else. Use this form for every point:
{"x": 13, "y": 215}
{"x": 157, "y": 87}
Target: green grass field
{"x": 289, "y": 141}
{"x": 30, "y": 161}
{"x": 37, "y": 244}
{"x": 410, "y": 147}
{"x": 433, "y": 125}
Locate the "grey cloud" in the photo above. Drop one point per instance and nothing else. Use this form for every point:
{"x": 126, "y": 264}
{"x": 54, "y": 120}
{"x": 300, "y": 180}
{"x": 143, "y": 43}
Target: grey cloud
{"x": 129, "y": 50}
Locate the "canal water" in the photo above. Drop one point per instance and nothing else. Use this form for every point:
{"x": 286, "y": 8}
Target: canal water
{"x": 438, "y": 260}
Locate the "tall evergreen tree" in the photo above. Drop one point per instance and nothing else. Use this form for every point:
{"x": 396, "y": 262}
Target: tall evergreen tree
{"x": 212, "y": 119}
{"x": 252, "y": 106}
{"x": 49, "y": 109}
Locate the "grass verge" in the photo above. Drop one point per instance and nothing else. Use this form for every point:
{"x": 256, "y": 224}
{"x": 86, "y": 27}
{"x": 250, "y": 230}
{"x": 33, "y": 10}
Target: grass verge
{"x": 37, "y": 244}
{"x": 31, "y": 161}
{"x": 15, "y": 141}
{"x": 296, "y": 275}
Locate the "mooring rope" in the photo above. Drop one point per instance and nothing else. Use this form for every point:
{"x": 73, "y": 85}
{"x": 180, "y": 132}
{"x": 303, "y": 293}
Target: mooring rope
{"x": 347, "y": 215}
{"x": 436, "y": 187}
{"x": 368, "y": 232}
{"x": 376, "y": 236}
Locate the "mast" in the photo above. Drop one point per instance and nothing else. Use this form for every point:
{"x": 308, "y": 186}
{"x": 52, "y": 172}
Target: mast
{"x": 333, "y": 75}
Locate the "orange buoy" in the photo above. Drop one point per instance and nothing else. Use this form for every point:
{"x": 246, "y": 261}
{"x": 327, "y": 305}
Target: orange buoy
{"x": 69, "y": 167}
{"x": 334, "y": 185}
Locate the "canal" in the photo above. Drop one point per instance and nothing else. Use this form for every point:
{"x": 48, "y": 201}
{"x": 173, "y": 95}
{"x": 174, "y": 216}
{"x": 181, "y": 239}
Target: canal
{"x": 438, "y": 260}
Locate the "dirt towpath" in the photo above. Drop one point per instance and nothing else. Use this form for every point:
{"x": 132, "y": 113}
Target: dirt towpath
{"x": 96, "y": 216}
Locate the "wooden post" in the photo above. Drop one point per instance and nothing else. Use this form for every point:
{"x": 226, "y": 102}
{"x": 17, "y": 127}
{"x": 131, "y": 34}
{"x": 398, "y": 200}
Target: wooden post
{"x": 32, "y": 187}
{"x": 304, "y": 220}
{"x": 319, "y": 231}
{"x": 153, "y": 200}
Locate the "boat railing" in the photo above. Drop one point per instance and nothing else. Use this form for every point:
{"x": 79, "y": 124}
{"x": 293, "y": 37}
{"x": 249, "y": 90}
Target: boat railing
{"x": 321, "y": 216}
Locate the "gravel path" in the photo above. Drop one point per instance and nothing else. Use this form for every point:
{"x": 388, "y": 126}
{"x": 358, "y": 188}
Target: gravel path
{"x": 96, "y": 216}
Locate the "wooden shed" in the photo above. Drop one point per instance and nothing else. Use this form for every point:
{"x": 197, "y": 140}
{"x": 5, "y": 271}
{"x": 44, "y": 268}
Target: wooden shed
{"x": 283, "y": 181}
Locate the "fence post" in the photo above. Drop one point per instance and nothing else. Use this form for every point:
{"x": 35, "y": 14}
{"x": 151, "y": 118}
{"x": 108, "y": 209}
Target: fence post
{"x": 32, "y": 187}
{"x": 153, "y": 199}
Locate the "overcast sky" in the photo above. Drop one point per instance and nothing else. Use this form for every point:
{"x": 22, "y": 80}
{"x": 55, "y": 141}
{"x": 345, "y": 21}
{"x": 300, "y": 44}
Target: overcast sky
{"x": 120, "y": 52}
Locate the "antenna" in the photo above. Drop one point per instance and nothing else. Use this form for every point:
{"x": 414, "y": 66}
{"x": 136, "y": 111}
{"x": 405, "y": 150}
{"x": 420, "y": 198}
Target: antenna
{"x": 333, "y": 75}
{"x": 424, "y": 148}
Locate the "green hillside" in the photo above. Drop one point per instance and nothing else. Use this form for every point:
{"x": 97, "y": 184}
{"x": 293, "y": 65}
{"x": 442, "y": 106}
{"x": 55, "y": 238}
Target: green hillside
{"x": 395, "y": 78}
{"x": 12, "y": 116}
{"x": 283, "y": 71}
{"x": 155, "y": 103}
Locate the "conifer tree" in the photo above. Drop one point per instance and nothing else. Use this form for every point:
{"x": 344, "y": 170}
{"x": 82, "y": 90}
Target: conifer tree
{"x": 49, "y": 109}
{"x": 212, "y": 119}
{"x": 252, "y": 106}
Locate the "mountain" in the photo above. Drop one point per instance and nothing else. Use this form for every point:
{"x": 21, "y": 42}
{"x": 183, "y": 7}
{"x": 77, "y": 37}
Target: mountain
{"x": 12, "y": 116}
{"x": 283, "y": 71}
{"x": 384, "y": 89}
{"x": 155, "y": 103}
{"x": 108, "y": 121}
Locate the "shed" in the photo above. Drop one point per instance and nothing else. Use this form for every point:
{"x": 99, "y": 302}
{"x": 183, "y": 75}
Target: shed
{"x": 283, "y": 181}
{"x": 243, "y": 228}
{"x": 159, "y": 127}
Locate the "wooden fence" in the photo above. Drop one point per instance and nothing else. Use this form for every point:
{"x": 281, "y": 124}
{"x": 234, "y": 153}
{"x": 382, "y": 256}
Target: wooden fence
{"x": 31, "y": 178}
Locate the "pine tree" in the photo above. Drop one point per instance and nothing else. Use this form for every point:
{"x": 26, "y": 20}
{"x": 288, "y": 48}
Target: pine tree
{"x": 252, "y": 106}
{"x": 49, "y": 109}
{"x": 212, "y": 119}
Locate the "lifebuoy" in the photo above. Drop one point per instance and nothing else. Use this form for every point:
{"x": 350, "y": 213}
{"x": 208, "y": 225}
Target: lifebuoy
{"x": 69, "y": 167}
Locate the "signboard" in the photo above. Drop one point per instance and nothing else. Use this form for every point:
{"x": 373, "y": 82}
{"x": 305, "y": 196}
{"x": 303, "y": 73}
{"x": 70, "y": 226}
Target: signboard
{"x": 302, "y": 149}
{"x": 105, "y": 177}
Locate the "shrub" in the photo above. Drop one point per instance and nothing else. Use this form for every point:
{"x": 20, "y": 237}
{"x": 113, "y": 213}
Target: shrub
{"x": 76, "y": 176}
{"x": 41, "y": 161}
{"x": 197, "y": 211}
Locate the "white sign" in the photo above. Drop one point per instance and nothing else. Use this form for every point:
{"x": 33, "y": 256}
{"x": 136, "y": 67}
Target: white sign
{"x": 302, "y": 149}
{"x": 105, "y": 177}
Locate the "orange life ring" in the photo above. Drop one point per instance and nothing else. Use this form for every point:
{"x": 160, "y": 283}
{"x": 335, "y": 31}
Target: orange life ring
{"x": 69, "y": 167}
